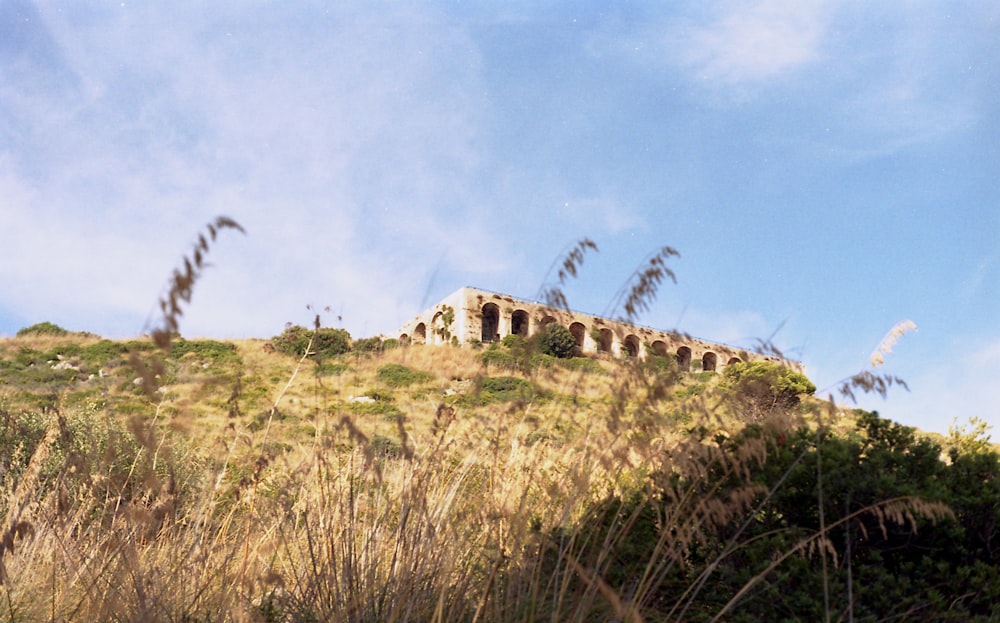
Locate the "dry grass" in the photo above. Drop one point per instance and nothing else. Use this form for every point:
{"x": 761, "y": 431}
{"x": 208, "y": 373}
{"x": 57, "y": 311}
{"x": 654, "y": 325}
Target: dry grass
{"x": 321, "y": 508}
{"x": 265, "y": 491}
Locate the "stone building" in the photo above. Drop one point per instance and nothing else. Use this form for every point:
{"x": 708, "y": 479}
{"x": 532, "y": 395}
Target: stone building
{"x": 470, "y": 316}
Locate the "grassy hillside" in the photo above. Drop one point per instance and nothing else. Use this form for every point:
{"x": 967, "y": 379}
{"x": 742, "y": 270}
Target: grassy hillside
{"x": 435, "y": 483}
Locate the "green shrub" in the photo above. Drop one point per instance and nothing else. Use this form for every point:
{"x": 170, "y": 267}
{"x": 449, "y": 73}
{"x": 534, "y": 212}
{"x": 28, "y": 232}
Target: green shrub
{"x": 504, "y": 384}
{"x": 104, "y": 351}
{"x": 212, "y": 351}
{"x": 501, "y": 389}
{"x": 379, "y": 395}
{"x": 398, "y": 375}
{"x": 762, "y": 387}
{"x": 383, "y": 408}
{"x": 582, "y": 364}
{"x": 556, "y": 340}
{"x": 42, "y": 328}
{"x": 386, "y": 447}
{"x": 542, "y": 360}
{"x": 498, "y": 358}
{"x": 326, "y": 343}
{"x": 512, "y": 341}
{"x": 662, "y": 365}
{"x": 369, "y": 345}
{"x": 331, "y": 368}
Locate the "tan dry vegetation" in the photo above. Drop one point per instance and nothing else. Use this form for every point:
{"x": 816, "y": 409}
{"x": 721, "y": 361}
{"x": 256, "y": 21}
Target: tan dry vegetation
{"x": 218, "y": 510}
{"x": 277, "y": 498}
{"x": 214, "y": 482}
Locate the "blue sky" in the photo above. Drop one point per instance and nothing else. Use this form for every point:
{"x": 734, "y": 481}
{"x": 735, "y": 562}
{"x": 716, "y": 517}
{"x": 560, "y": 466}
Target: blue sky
{"x": 826, "y": 170}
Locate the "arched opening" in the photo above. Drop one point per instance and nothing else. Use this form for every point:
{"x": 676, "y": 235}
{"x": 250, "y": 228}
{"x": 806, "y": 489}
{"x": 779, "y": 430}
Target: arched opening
{"x": 631, "y": 346}
{"x": 684, "y": 359}
{"x": 660, "y": 348}
{"x": 491, "y": 323}
{"x": 733, "y": 360}
{"x": 604, "y": 343}
{"x": 579, "y": 333}
{"x": 708, "y": 362}
{"x": 519, "y": 323}
{"x": 404, "y": 338}
{"x": 420, "y": 333}
{"x": 547, "y": 320}
{"x": 437, "y": 328}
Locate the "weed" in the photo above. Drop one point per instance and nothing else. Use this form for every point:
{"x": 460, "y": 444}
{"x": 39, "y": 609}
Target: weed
{"x": 558, "y": 489}
{"x": 398, "y": 375}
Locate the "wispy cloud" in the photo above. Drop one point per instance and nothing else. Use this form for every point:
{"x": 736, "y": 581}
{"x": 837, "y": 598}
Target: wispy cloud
{"x": 742, "y": 43}
{"x": 740, "y": 328}
{"x": 602, "y": 213}
{"x": 960, "y": 384}
{"x": 308, "y": 140}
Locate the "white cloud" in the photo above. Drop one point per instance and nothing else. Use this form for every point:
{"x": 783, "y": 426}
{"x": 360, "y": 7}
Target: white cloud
{"x": 733, "y": 327}
{"x": 601, "y": 213}
{"x": 347, "y": 151}
{"x": 959, "y": 383}
{"x": 746, "y": 43}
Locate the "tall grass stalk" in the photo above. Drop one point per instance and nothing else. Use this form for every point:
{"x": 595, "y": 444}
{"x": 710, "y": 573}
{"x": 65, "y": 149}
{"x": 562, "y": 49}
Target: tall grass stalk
{"x": 590, "y": 497}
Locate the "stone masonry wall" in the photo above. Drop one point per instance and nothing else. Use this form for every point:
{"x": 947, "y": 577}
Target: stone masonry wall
{"x": 469, "y": 316}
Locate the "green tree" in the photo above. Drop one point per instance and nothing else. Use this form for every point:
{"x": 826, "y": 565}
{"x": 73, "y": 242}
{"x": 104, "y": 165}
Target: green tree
{"x": 42, "y": 328}
{"x": 326, "y": 341}
{"x": 862, "y": 515}
{"x": 556, "y": 340}
{"x": 760, "y": 388}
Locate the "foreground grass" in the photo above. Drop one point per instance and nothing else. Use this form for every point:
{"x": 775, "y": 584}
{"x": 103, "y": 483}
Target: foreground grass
{"x": 420, "y": 485}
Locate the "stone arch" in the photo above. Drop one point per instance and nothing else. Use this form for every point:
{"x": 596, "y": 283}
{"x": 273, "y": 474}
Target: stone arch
{"x": 491, "y": 323}
{"x": 659, "y": 348}
{"x": 604, "y": 341}
{"x": 579, "y": 334}
{"x": 437, "y": 328}
{"x": 519, "y": 323}
{"x": 684, "y": 359}
{"x": 420, "y": 333}
{"x": 631, "y": 346}
{"x": 404, "y": 338}
{"x": 546, "y": 320}
{"x": 733, "y": 360}
{"x": 708, "y": 361}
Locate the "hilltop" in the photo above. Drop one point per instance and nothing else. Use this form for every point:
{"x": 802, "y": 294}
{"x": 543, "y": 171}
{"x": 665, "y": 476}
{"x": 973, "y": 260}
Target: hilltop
{"x": 372, "y": 480}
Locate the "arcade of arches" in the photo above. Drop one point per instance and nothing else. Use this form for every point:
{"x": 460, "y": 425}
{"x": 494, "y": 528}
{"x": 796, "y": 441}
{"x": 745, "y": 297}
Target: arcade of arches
{"x": 476, "y": 316}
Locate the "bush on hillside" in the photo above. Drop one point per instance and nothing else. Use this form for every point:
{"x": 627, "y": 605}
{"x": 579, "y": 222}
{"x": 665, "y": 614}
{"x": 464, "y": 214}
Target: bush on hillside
{"x": 921, "y": 536}
{"x": 211, "y": 351}
{"x": 763, "y": 387}
{"x": 556, "y": 340}
{"x": 369, "y": 345}
{"x": 398, "y": 375}
{"x": 43, "y": 328}
{"x": 326, "y": 343}
{"x": 493, "y": 389}
{"x": 499, "y": 358}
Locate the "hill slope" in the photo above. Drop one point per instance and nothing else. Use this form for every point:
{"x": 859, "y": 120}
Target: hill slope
{"x": 437, "y": 483}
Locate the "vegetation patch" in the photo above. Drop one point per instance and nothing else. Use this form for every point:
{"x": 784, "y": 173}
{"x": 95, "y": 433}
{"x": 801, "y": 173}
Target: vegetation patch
{"x": 493, "y": 389}
{"x": 619, "y": 499}
{"x": 398, "y": 375}
{"x": 369, "y": 345}
{"x": 207, "y": 351}
{"x": 500, "y": 359}
{"x": 582, "y": 364}
{"x": 556, "y": 340}
{"x": 760, "y": 388}
{"x": 43, "y": 328}
{"x": 326, "y": 342}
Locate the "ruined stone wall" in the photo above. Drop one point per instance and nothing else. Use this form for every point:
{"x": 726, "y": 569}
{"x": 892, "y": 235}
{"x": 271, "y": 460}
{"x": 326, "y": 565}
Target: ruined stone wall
{"x": 470, "y": 316}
